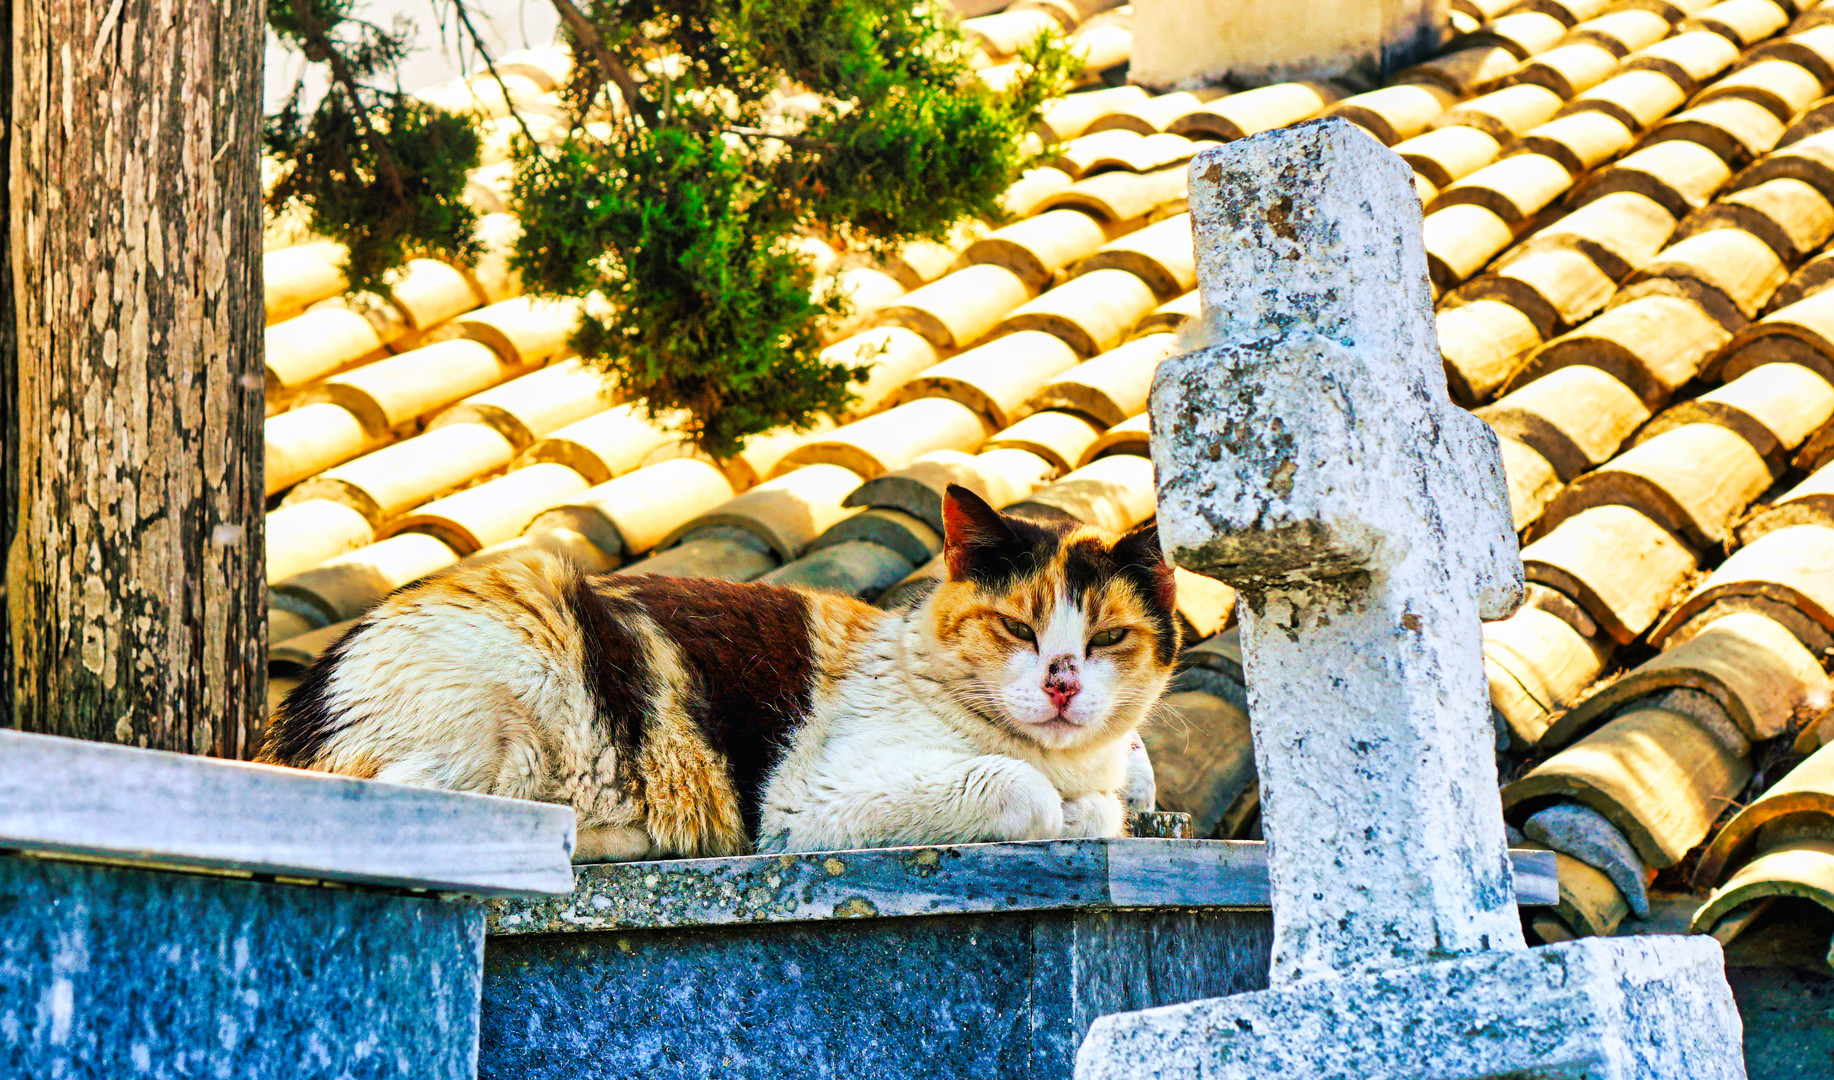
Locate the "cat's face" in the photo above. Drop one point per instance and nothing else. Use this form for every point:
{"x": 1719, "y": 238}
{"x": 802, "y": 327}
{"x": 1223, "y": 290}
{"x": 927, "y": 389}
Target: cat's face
{"x": 1064, "y": 635}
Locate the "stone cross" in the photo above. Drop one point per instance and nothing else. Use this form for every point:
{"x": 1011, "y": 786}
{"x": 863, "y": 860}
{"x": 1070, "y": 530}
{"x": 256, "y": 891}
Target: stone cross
{"x": 1315, "y": 463}
{"x": 1307, "y": 454}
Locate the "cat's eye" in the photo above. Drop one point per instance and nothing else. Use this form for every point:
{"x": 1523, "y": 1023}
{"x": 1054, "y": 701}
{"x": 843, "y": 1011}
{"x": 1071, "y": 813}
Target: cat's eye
{"x": 1104, "y": 638}
{"x": 1018, "y": 629}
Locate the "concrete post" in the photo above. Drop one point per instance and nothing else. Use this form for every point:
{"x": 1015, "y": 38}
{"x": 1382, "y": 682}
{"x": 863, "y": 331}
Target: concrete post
{"x": 1186, "y": 44}
{"x": 1308, "y": 455}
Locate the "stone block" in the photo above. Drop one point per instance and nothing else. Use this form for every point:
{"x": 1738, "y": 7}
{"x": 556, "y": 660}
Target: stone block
{"x": 1643, "y": 1008}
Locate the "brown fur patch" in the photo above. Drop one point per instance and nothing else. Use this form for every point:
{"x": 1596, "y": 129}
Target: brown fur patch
{"x": 751, "y": 658}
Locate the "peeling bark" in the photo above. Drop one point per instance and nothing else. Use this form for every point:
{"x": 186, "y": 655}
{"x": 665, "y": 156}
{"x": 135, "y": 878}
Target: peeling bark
{"x": 134, "y": 387}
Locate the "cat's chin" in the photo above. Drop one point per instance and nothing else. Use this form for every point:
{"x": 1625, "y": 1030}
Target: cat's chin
{"x": 1060, "y": 732}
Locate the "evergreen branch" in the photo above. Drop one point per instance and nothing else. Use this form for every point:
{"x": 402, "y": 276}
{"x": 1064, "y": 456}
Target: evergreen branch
{"x": 490, "y": 65}
{"x": 321, "y": 47}
{"x": 797, "y": 141}
{"x": 620, "y": 76}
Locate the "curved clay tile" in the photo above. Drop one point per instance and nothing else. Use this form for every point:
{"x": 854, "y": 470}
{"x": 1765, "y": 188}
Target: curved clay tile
{"x": 996, "y": 380}
{"x": 530, "y": 407}
{"x": 1695, "y": 480}
{"x": 608, "y": 444}
{"x": 1111, "y": 387}
{"x": 894, "y": 530}
{"x": 308, "y": 533}
{"x": 313, "y": 345}
{"x": 1616, "y": 563}
{"x": 1660, "y": 775}
{"x": 1162, "y": 254}
{"x": 1801, "y": 804}
{"x": 999, "y": 476}
{"x": 349, "y": 585}
{"x": 1567, "y": 70}
{"x": 494, "y": 511}
{"x": 957, "y": 309}
{"x": 1742, "y": 22}
{"x": 1448, "y": 153}
{"x": 631, "y": 514}
{"x": 387, "y": 482}
{"x": 1091, "y": 313}
{"x": 1113, "y": 493}
{"x": 1581, "y": 141}
{"x": 1636, "y": 98}
{"x": 1736, "y": 129}
{"x": 310, "y": 439}
{"x": 1780, "y": 87}
{"x": 1791, "y": 217}
{"x": 1482, "y": 343}
{"x": 1690, "y": 59}
{"x": 1036, "y": 248}
{"x": 1652, "y": 344}
{"x": 1623, "y": 31}
{"x": 1515, "y": 188}
{"x": 1620, "y": 233}
{"x": 1130, "y": 436}
{"x": 1787, "y": 574}
{"x": 893, "y": 356}
{"x": 1254, "y": 111}
{"x": 1774, "y": 408}
{"x": 1394, "y": 113}
{"x": 1524, "y": 33}
{"x": 1576, "y": 417}
{"x": 1537, "y": 664}
{"x": 1758, "y": 672}
{"x": 413, "y": 385}
{"x": 1531, "y": 480}
{"x": 891, "y": 439}
{"x": 1058, "y": 437}
{"x": 786, "y": 513}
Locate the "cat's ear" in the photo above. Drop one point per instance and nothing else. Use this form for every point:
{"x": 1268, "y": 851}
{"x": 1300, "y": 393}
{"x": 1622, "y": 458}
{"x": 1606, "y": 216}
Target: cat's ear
{"x": 970, "y": 528}
{"x": 1140, "y": 547}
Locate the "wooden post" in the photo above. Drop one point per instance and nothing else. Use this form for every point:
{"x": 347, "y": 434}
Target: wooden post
{"x": 130, "y": 373}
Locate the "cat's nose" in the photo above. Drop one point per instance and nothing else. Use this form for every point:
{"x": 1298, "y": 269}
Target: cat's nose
{"x": 1061, "y": 683}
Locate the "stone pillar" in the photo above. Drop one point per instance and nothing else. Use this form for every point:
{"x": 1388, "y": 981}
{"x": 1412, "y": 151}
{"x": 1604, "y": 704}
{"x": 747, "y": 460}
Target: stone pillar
{"x": 1308, "y": 455}
{"x": 1186, "y": 44}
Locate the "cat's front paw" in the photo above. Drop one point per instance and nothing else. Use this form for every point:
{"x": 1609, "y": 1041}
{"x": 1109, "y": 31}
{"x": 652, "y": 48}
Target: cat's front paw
{"x": 1024, "y": 803}
{"x": 1097, "y": 814}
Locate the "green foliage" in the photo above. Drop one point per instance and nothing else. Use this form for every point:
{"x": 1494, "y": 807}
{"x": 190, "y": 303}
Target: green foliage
{"x": 679, "y": 203}
{"x": 374, "y": 169}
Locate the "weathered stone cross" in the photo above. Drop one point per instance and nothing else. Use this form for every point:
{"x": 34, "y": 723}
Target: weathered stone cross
{"x": 1308, "y": 455}
{"x": 1315, "y": 462}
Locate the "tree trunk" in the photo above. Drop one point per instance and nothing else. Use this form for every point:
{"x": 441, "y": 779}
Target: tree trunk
{"x": 131, "y": 359}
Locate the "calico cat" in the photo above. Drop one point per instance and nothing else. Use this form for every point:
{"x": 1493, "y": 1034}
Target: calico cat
{"x": 698, "y": 717}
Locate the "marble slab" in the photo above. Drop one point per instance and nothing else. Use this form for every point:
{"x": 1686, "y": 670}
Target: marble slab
{"x": 147, "y": 807}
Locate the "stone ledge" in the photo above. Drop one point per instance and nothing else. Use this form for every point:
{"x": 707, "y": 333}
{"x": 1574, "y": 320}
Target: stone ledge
{"x": 98, "y": 802}
{"x": 943, "y": 880}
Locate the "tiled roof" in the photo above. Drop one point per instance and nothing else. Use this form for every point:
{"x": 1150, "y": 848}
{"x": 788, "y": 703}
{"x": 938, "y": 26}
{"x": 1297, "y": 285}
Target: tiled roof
{"x": 1625, "y": 202}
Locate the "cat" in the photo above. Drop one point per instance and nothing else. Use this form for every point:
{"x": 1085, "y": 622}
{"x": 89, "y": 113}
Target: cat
{"x": 697, "y": 717}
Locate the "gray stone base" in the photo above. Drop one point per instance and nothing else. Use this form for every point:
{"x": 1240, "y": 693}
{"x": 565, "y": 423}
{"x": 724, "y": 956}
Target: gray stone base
{"x": 959, "y": 997}
{"x": 129, "y": 974}
{"x": 1650, "y": 1008}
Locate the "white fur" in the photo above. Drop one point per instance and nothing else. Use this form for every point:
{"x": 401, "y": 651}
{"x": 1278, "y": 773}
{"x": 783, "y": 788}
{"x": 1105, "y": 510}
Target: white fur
{"x": 893, "y": 756}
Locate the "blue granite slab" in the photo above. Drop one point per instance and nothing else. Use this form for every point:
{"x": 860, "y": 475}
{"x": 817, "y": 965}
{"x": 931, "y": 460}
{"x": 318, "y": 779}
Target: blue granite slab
{"x": 983, "y": 996}
{"x": 114, "y": 972}
{"x": 916, "y": 881}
